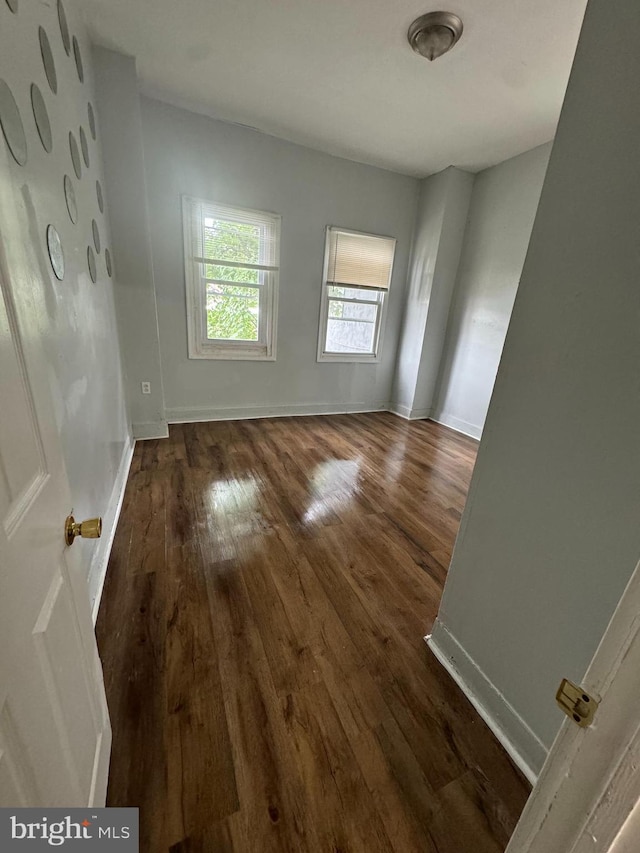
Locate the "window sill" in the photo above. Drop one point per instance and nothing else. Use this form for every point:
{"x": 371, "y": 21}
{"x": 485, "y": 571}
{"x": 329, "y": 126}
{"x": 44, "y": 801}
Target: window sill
{"x": 346, "y": 358}
{"x": 232, "y": 354}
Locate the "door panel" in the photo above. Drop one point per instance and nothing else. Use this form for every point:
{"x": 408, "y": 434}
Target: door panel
{"x": 55, "y": 736}
{"x": 17, "y": 775}
{"x": 59, "y": 653}
{"x": 22, "y": 463}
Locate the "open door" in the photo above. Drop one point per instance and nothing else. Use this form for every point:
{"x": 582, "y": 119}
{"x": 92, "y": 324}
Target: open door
{"x": 587, "y": 797}
{"x": 55, "y": 736}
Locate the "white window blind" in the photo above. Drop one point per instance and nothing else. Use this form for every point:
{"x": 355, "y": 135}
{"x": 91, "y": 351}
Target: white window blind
{"x": 359, "y": 260}
{"x": 357, "y": 274}
{"x": 219, "y": 238}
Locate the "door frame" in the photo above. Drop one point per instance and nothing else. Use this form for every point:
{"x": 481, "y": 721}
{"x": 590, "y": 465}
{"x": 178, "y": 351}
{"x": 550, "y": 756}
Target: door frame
{"x": 588, "y": 787}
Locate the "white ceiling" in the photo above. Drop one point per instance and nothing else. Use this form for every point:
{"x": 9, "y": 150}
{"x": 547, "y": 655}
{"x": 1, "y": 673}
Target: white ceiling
{"x": 339, "y": 75}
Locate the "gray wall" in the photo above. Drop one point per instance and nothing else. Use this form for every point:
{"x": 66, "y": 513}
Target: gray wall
{"x": 440, "y": 220}
{"x": 118, "y": 105}
{"x": 550, "y": 533}
{"x": 503, "y": 207}
{"x": 195, "y": 155}
{"x": 459, "y": 189}
{"x": 79, "y": 330}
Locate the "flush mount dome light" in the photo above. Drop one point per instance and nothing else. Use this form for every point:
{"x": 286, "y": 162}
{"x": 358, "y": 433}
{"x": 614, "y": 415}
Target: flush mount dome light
{"x": 435, "y": 33}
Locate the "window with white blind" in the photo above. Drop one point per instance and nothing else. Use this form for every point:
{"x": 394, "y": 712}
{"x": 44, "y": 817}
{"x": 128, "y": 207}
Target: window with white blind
{"x": 232, "y": 258}
{"x": 356, "y": 280}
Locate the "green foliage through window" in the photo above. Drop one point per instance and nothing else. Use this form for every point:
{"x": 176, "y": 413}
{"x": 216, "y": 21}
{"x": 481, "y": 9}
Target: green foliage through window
{"x": 232, "y": 313}
{"x": 232, "y": 310}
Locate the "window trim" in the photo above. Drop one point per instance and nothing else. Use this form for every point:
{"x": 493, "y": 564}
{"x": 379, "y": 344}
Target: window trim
{"x": 199, "y": 346}
{"x": 344, "y": 357}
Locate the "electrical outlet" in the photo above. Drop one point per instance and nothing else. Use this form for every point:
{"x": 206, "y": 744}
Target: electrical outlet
{"x": 146, "y": 387}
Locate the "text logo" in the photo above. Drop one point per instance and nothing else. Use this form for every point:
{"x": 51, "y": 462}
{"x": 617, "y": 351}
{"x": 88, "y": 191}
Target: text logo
{"x": 36, "y": 829}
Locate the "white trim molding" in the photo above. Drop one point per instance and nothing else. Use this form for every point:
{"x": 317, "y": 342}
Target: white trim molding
{"x": 100, "y": 559}
{"x": 409, "y": 414}
{"x": 523, "y": 746}
{"x": 360, "y": 267}
{"x": 195, "y": 212}
{"x": 466, "y": 428}
{"x": 182, "y": 415}
{"x": 400, "y": 410}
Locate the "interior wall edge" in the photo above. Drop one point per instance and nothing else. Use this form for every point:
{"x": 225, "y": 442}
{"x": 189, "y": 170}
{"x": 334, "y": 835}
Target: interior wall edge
{"x": 183, "y": 415}
{"x": 400, "y": 410}
{"x": 457, "y": 424}
{"x": 100, "y": 560}
{"x": 420, "y": 414}
{"x": 523, "y": 746}
{"x": 409, "y": 413}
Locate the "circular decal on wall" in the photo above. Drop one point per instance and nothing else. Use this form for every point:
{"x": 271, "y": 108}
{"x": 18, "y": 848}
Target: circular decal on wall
{"x": 75, "y": 155}
{"x": 78, "y": 58}
{"x": 92, "y": 121}
{"x": 64, "y": 28}
{"x": 70, "y": 198}
{"x": 13, "y": 5}
{"x": 56, "y": 255}
{"x": 96, "y": 235}
{"x": 107, "y": 261}
{"x": 47, "y": 60}
{"x": 12, "y": 127}
{"x": 41, "y": 117}
{"x": 91, "y": 262}
{"x": 85, "y": 147}
{"x": 99, "y": 195}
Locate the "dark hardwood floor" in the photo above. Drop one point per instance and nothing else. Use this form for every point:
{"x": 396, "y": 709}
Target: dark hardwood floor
{"x": 261, "y": 633}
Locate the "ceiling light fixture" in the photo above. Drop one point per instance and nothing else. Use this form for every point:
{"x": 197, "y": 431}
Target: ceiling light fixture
{"x": 435, "y": 33}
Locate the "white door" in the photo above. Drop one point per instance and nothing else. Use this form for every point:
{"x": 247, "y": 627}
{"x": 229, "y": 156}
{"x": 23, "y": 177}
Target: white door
{"x": 587, "y": 799}
{"x": 55, "y": 736}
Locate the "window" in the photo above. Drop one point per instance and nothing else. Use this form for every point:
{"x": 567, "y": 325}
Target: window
{"x": 357, "y": 275}
{"x": 231, "y": 266}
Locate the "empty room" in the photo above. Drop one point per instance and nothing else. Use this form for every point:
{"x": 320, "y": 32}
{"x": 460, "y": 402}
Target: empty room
{"x": 319, "y": 403}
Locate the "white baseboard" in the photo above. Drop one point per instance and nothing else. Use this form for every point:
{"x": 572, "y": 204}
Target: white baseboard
{"x": 407, "y": 413}
{"x": 400, "y": 410}
{"x": 523, "y": 746}
{"x": 180, "y": 415}
{"x": 419, "y": 414}
{"x": 98, "y": 567}
{"x": 150, "y": 430}
{"x": 444, "y": 418}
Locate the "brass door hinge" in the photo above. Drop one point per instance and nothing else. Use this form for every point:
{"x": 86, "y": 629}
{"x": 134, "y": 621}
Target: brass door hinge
{"x": 577, "y": 704}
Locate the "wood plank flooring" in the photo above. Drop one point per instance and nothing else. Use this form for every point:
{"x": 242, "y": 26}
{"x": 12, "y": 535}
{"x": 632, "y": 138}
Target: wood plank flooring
{"x": 261, "y": 634}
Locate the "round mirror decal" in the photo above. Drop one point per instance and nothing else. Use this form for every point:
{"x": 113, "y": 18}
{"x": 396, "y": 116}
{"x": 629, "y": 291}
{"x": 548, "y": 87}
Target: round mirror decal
{"x": 56, "y": 255}
{"x": 99, "y": 195}
{"x": 13, "y": 5}
{"x": 75, "y": 155}
{"x": 92, "y": 121}
{"x": 47, "y": 60}
{"x": 85, "y": 147}
{"x": 91, "y": 262}
{"x": 70, "y": 198}
{"x": 64, "y": 28}
{"x": 78, "y": 58}
{"x": 96, "y": 235}
{"x": 12, "y": 127}
{"x": 41, "y": 117}
{"x": 107, "y": 261}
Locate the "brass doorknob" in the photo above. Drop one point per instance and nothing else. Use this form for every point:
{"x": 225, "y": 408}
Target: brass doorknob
{"x": 89, "y": 529}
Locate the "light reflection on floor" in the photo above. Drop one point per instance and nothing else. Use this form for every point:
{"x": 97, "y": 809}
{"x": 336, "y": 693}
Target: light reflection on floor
{"x": 333, "y": 485}
{"x": 233, "y": 506}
